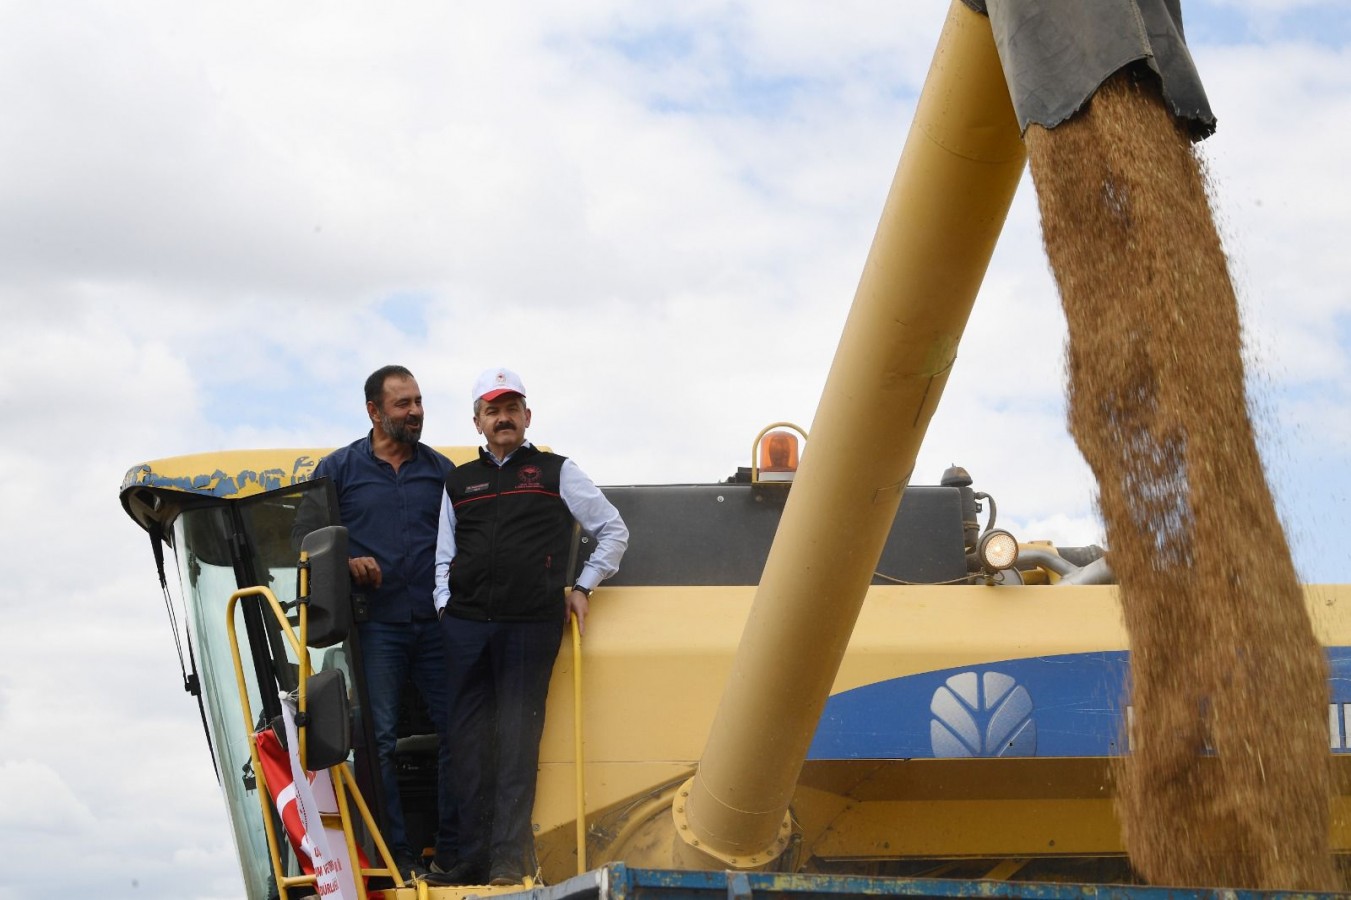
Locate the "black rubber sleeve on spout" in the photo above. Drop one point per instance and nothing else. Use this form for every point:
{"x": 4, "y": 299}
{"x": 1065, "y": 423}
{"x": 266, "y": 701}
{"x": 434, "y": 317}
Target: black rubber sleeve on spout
{"x": 1056, "y": 53}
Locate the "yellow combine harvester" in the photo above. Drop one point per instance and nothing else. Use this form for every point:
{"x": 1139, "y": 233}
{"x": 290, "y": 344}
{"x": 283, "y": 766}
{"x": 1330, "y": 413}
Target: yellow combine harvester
{"x": 968, "y": 731}
{"x": 787, "y": 675}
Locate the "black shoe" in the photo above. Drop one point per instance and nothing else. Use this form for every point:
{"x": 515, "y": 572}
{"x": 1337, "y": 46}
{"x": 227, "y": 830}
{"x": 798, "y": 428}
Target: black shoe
{"x": 462, "y": 872}
{"x": 503, "y": 876}
{"x": 409, "y": 866}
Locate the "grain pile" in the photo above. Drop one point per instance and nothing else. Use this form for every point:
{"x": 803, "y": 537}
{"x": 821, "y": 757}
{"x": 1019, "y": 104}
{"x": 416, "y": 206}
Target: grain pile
{"x": 1227, "y": 783}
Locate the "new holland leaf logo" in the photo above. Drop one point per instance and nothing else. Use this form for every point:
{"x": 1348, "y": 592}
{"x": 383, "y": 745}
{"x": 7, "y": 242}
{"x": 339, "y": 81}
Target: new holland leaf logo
{"x": 982, "y": 714}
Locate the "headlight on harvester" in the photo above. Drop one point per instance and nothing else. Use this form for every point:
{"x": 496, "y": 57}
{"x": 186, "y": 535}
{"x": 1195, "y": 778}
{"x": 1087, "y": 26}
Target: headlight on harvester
{"x": 997, "y": 550}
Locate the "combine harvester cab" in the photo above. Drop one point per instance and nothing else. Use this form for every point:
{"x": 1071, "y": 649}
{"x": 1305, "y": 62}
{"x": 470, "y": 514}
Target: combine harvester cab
{"x": 230, "y": 520}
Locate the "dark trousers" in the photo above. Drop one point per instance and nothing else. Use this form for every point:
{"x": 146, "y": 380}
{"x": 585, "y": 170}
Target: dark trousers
{"x": 393, "y": 653}
{"x": 498, "y": 680}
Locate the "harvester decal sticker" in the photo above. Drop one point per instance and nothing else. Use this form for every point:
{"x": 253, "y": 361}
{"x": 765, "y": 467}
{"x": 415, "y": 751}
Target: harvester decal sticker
{"x": 218, "y": 483}
{"x": 1066, "y": 705}
{"x": 987, "y": 714}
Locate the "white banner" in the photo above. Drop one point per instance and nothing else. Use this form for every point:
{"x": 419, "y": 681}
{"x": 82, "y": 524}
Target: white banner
{"x": 326, "y": 847}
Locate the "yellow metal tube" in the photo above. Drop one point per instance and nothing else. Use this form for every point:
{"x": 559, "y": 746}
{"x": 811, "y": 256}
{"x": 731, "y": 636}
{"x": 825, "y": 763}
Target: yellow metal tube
{"x": 303, "y": 653}
{"x": 344, "y": 785}
{"x": 577, "y": 743}
{"x": 947, "y": 204}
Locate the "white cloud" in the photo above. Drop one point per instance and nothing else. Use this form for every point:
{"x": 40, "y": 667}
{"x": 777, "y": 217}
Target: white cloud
{"x": 1281, "y": 203}
{"x": 37, "y": 798}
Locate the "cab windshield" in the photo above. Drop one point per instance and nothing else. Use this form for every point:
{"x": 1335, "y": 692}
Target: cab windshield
{"x": 221, "y": 548}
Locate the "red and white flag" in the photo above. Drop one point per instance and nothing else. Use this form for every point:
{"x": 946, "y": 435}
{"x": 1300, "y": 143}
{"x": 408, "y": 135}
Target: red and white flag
{"x": 301, "y": 798}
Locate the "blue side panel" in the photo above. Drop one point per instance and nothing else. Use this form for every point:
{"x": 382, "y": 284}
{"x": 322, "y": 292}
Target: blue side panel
{"x": 1066, "y": 705}
{"x": 1050, "y": 706}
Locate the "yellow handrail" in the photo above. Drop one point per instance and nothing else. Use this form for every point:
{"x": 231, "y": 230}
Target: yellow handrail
{"x": 344, "y": 785}
{"x": 577, "y": 743}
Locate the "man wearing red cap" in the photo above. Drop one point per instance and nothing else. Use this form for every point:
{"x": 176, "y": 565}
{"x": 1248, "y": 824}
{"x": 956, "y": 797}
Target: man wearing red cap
{"x": 503, "y": 596}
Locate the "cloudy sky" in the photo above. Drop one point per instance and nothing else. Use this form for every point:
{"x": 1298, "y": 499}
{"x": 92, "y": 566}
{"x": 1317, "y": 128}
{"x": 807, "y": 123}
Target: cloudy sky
{"x": 216, "y": 219}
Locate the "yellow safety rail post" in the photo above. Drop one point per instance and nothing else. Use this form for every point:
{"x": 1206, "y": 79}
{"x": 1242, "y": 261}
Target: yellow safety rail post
{"x": 302, "y": 649}
{"x": 342, "y": 785}
{"x": 264, "y": 793}
{"x": 577, "y": 743}
{"x": 344, "y": 782}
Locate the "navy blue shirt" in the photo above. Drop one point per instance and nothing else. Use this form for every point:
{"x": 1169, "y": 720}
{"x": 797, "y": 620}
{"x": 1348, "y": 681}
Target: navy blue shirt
{"x": 391, "y": 516}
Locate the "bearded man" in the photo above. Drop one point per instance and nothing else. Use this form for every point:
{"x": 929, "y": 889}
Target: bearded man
{"x": 389, "y": 488}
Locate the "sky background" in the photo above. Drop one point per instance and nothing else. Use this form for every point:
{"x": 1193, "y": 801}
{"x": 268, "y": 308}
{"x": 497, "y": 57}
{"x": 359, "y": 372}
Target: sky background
{"x": 217, "y": 219}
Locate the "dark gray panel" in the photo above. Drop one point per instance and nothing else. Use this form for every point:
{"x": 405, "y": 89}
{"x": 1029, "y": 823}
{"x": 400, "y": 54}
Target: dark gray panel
{"x": 720, "y": 534}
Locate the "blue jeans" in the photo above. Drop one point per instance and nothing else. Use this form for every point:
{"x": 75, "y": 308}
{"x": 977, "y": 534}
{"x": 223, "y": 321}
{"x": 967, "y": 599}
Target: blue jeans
{"x": 498, "y": 679}
{"x": 392, "y": 653}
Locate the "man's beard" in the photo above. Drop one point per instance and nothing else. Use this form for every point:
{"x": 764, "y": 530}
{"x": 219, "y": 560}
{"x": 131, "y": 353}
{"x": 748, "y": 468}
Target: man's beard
{"x": 399, "y": 433}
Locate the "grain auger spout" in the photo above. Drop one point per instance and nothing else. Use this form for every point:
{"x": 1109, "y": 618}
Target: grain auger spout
{"x": 947, "y": 204}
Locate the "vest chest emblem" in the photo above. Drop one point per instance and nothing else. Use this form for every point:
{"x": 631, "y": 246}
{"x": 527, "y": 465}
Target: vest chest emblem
{"x": 529, "y": 477}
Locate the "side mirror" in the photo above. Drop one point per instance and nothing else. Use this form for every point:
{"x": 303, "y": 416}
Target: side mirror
{"x": 330, "y": 615}
{"x": 328, "y": 727}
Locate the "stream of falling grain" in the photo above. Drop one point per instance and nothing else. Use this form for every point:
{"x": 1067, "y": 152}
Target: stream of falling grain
{"x": 1227, "y": 781}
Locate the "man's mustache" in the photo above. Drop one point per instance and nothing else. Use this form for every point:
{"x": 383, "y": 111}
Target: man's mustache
{"x": 505, "y": 426}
